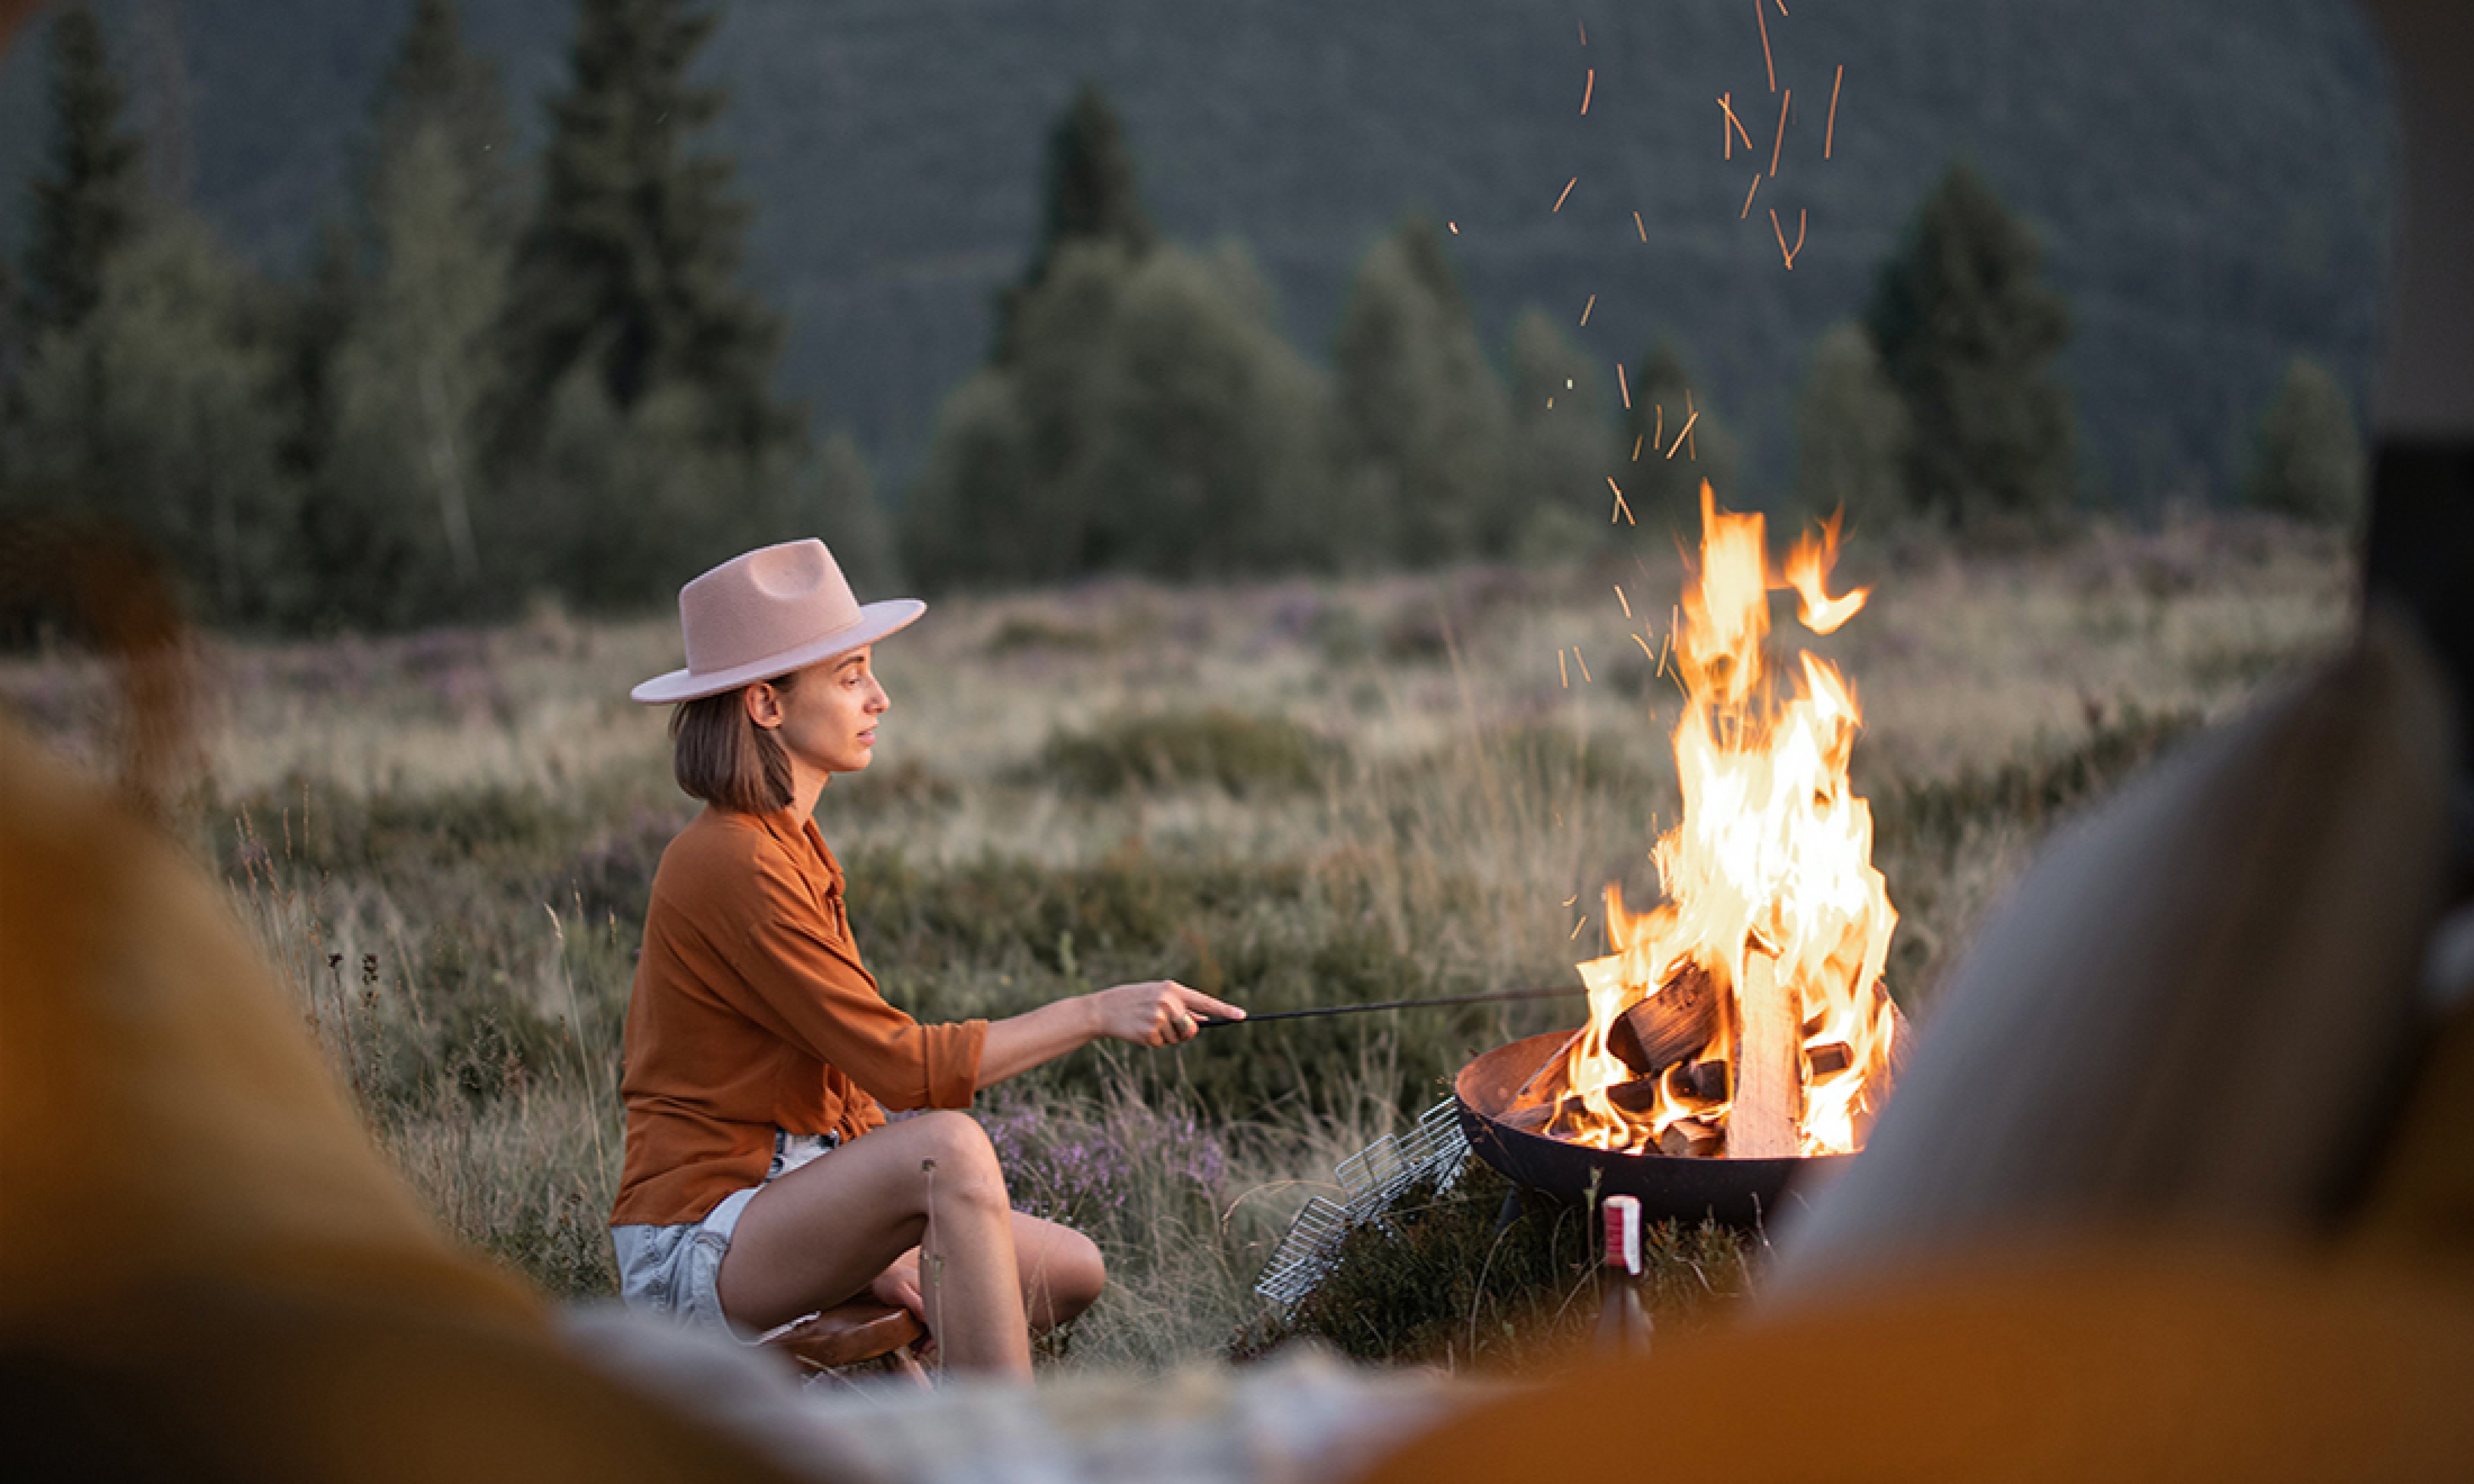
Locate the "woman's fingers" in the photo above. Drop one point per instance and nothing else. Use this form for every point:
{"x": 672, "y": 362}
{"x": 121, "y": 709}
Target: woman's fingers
{"x": 1201, "y": 1004}
{"x": 1161, "y": 1012}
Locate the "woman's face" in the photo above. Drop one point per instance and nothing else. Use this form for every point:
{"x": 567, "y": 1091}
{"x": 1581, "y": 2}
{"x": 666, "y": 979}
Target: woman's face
{"x": 827, "y": 721}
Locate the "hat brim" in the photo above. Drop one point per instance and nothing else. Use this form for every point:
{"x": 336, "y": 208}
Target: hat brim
{"x": 876, "y": 620}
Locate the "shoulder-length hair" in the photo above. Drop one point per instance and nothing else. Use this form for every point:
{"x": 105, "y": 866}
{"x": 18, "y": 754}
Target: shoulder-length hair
{"x": 721, "y": 756}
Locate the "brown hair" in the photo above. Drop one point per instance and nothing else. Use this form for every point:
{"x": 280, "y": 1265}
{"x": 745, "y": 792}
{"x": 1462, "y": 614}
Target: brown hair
{"x": 721, "y": 756}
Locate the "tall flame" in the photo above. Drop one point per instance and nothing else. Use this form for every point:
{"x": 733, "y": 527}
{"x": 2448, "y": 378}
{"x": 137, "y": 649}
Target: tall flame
{"x": 1768, "y": 883}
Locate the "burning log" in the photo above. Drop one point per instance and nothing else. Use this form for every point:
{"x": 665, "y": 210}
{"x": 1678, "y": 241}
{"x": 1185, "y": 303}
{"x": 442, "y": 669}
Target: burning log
{"x": 1669, "y": 1025}
{"x": 1692, "y": 1137}
{"x": 1770, "y": 1084}
{"x": 1705, "y": 1082}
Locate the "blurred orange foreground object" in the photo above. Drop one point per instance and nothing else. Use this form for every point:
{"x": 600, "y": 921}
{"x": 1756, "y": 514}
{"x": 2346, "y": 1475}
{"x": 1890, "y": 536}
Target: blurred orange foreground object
{"x": 2118, "y": 1364}
{"x": 211, "y": 1270}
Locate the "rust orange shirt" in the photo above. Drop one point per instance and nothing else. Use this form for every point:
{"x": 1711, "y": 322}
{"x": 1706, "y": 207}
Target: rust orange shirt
{"x": 752, "y": 1011}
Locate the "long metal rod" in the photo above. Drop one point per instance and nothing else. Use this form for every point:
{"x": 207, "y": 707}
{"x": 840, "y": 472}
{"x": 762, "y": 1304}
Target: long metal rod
{"x": 1213, "y": 1022}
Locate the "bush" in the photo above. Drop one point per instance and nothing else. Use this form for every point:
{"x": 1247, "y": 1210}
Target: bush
{"x": 1244, "y": 755}
{"x": 2309, "y": 460}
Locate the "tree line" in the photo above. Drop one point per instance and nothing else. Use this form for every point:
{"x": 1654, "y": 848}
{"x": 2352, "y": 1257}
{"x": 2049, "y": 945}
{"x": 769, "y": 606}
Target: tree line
{"x": 501, "y": 379}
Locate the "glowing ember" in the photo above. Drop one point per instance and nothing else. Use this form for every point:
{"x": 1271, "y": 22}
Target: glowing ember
{"x": 1745, "y": 1012}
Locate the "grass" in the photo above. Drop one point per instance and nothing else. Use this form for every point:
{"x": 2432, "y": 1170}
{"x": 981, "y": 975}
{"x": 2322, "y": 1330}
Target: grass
{"x": 1288, "y": 793}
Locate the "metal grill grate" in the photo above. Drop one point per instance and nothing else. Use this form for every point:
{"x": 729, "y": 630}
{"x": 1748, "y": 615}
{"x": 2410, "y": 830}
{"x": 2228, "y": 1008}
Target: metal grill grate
{"x": 1371, "y": 1179}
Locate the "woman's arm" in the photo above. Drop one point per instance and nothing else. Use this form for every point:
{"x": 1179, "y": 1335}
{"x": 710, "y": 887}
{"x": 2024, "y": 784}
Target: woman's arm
{"x": 1157, "y": 1013}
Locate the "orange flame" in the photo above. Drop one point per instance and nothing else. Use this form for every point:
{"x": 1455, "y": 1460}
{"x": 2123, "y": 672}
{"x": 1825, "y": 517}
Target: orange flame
{"x": 1768, "y": 883}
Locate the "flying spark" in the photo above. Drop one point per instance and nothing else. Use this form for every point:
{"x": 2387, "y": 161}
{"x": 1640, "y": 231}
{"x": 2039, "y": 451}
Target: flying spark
{"x": 1763, "y": 17}
{"x": 1623, "y": 384}
{"x": 1585, "y": 308}
{"x": 1732, "y": 127}
{"x": 1784, "y": 249}
{"x": 1587, "y": 88}
{"x": 1783, "y": 100}
{"x": 1685, "y": 433}
{"x": 1831, "y": 133}
{"x": 1748, "y": 196}
{"x": 1567, "y": 190}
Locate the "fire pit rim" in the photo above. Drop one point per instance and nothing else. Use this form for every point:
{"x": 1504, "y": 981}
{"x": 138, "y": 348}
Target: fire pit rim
{"x": 1740, "y": 1193}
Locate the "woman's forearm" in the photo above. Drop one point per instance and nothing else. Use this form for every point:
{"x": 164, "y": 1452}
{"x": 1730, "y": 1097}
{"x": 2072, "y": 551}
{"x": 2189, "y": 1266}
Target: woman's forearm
{"x": 1020, "y": 1042}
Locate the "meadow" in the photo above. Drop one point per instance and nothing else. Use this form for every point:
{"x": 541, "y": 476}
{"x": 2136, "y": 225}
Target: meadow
{"x": 1288, "y": 793}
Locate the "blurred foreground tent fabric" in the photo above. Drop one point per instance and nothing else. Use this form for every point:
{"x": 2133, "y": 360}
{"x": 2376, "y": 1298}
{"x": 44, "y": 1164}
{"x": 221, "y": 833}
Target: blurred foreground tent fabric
{"x": 211, "y": 1272}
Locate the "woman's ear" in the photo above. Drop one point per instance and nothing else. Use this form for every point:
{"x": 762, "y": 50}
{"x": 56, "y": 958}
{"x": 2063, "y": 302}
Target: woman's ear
{"x": 763, "y": 704}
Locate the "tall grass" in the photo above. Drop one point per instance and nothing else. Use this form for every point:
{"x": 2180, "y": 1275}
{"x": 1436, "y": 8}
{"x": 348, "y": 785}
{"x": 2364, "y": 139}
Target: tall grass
{"x": 1290, "y": 794}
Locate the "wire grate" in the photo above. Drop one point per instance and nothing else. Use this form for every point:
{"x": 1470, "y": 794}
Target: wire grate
{"x": 1371, "y": 1179}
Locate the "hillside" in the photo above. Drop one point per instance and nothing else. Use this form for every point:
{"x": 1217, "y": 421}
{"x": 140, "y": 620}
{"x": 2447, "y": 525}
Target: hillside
{"x": 2211, "y": 176}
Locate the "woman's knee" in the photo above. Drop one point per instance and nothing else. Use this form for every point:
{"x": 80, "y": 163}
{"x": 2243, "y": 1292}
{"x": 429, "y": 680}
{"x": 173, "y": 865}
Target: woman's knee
{"x": 957, "y": 1157}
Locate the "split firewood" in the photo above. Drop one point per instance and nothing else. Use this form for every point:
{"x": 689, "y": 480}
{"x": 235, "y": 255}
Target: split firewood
{"x": 1668, "y": 1025}
{"x": 1691, "y": 1138}
{"x": 1637, "y": 1097}
{"x": 1769, "y": 1084}
{"x": 1704, "y": 1082}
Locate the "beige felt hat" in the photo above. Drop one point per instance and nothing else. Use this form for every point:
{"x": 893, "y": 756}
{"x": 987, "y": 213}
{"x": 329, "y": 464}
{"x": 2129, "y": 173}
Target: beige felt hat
{"x": 775, "y": 609}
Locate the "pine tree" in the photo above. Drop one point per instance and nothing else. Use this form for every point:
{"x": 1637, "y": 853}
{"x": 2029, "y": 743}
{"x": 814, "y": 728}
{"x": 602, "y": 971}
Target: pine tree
{"x": 1422, "y": 423}
{"x": 88, "y": 201}
{"x": 403, "y": 515}
{"x": 629, "y": 266}
{"x": 157, "y": 411}
{"x": 850, "y": 520}
{"x": 1852, "y": 435}
{"x": 1089, "y": 194}
{"x": 1968, "y": 331}
{"x": 1673, "y": 442}
{"x": 2309, "y": 460}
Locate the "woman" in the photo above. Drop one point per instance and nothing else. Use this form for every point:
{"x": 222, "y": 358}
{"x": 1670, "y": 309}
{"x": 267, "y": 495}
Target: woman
{"x": 762, "y": 1182}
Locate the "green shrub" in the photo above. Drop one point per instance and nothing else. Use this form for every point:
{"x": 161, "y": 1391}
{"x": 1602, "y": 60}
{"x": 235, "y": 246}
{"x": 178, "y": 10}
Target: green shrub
{"x": 1243, "y": 754}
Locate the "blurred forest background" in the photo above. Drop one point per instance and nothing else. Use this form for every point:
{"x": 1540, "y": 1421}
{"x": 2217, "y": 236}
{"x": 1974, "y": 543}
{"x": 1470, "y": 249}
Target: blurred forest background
{"x": 375, "y": 314}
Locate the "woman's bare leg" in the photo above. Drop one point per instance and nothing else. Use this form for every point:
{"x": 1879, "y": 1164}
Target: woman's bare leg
{"x": 1061, "y": 1271}
{"x": 822, "y": 1233}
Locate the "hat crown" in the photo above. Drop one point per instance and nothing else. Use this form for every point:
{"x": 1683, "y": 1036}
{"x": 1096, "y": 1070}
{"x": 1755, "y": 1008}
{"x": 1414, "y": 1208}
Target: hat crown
{"x": 770, "y": 601}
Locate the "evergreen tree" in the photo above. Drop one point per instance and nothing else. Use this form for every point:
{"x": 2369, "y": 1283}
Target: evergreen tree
{"x": 1851, "y": 433}
{"x": 401, "y": 516}
{"x": 1089, "y": 193}
{"x": 436, "y": 83}
{"x": 850, "y": 520}
{"x": 1968, "y": 331}
{"x": 88, "y": 199}
{"x": 2310, "y": 462}
{"x": 1563, "y": 444}
{"x": 1422, "y": 426}
{"x": 629, "y": 266}
{"x": 157, "y": 411}
{"x": 1672, "y": 442}
{"x": 1152, "y": 420}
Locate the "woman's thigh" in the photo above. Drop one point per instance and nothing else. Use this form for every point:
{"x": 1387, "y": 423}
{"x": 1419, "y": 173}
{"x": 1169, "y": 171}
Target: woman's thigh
{"x": 819, "y": 1234}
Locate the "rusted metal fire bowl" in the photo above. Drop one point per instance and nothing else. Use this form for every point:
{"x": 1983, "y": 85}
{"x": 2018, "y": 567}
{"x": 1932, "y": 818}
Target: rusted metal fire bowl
{"x": 1740, "y": 1193}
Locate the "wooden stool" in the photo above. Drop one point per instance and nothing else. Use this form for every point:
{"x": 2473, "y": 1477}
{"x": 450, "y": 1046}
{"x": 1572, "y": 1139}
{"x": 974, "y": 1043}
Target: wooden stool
{"x": 854, "y": 1335}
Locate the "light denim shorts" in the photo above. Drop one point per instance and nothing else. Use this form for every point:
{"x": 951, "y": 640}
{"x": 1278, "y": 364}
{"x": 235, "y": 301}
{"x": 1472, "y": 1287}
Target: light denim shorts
{"x": 675, "y": 1271}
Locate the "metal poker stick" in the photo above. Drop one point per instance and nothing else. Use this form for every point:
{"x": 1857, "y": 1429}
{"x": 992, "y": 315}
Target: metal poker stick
{"x": 1214, "y": 1022}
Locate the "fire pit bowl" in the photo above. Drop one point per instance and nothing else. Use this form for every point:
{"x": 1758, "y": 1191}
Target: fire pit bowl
{"x": 1740, "y": 1193}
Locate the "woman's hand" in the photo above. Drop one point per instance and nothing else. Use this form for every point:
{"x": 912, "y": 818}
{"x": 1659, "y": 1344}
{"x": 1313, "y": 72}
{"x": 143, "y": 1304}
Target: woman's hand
{"x": 1160, "y": 1012}
{"x": 1156, "y": 1013}
{"x": 899, "y": 1285}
